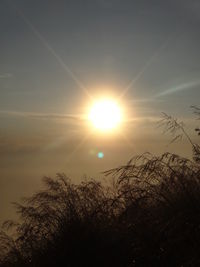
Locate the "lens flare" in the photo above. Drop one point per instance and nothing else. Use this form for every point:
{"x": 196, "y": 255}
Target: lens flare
{"x": 100, "y": 155}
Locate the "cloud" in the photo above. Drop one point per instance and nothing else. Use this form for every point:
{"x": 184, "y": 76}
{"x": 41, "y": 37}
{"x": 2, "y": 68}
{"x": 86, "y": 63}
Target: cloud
{"x": 48, "y": 116}
{"x": 144, "y": 100}
{"x": 178, "y": 88}
{"x": 143, "y": 119}
{"x": 5, "y": 75}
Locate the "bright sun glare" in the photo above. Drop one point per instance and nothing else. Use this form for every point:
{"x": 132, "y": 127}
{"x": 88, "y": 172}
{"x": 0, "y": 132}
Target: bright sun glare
{"x": 105, "y": 115}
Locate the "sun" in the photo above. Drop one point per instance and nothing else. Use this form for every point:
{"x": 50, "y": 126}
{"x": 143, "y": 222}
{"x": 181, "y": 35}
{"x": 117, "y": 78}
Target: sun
{"x": 105, "y": 115}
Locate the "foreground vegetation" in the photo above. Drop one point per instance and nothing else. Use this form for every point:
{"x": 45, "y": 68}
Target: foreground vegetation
{"x": 148, "y": 215}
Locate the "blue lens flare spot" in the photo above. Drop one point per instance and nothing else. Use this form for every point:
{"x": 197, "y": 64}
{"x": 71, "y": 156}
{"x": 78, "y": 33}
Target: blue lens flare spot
{"x": 100, "y": 155}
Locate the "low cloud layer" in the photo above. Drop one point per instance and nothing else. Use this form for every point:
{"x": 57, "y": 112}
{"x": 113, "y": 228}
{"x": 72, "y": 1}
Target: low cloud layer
{"x": 5, "y": 75}
{"x": 50, "y": 116}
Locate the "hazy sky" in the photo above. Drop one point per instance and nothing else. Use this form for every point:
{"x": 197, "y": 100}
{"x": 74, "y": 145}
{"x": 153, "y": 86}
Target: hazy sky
{"x": 54, "y": 54}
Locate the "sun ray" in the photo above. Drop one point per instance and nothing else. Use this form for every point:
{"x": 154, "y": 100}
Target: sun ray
{"x": 79, "y": 145}
{"x": 50, "y": 49}
{"x": 146, "y": 66}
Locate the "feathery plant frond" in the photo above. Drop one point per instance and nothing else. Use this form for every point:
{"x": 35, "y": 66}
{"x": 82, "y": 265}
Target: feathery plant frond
{"x": 149, "y": 215}
{"x": 174, "y": 127}
{"x": 177, "y": 130}
{"x": 196, "y": 111}
{"x": 148, "y": 200}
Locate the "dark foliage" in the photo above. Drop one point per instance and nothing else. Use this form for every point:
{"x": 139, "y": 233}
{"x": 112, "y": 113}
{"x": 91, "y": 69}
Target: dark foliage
{"x": 148, "y": 216}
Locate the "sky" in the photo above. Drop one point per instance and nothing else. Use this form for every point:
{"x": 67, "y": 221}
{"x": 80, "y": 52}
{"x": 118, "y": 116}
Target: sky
{"x": 55, "y": 56}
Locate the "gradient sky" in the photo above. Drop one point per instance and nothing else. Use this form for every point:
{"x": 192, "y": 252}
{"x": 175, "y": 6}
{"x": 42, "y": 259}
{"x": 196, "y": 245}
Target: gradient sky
{"x": 55, "y": 54}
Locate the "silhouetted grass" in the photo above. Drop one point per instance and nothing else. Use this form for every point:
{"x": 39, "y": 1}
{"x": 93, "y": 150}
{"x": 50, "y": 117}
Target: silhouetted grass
{"x": 148, "y": 216}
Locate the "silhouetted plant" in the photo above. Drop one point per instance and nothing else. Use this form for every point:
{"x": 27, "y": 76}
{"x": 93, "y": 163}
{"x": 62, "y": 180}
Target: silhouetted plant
{"x": 177, "y": 130}
{"x": 149, "y": 215}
